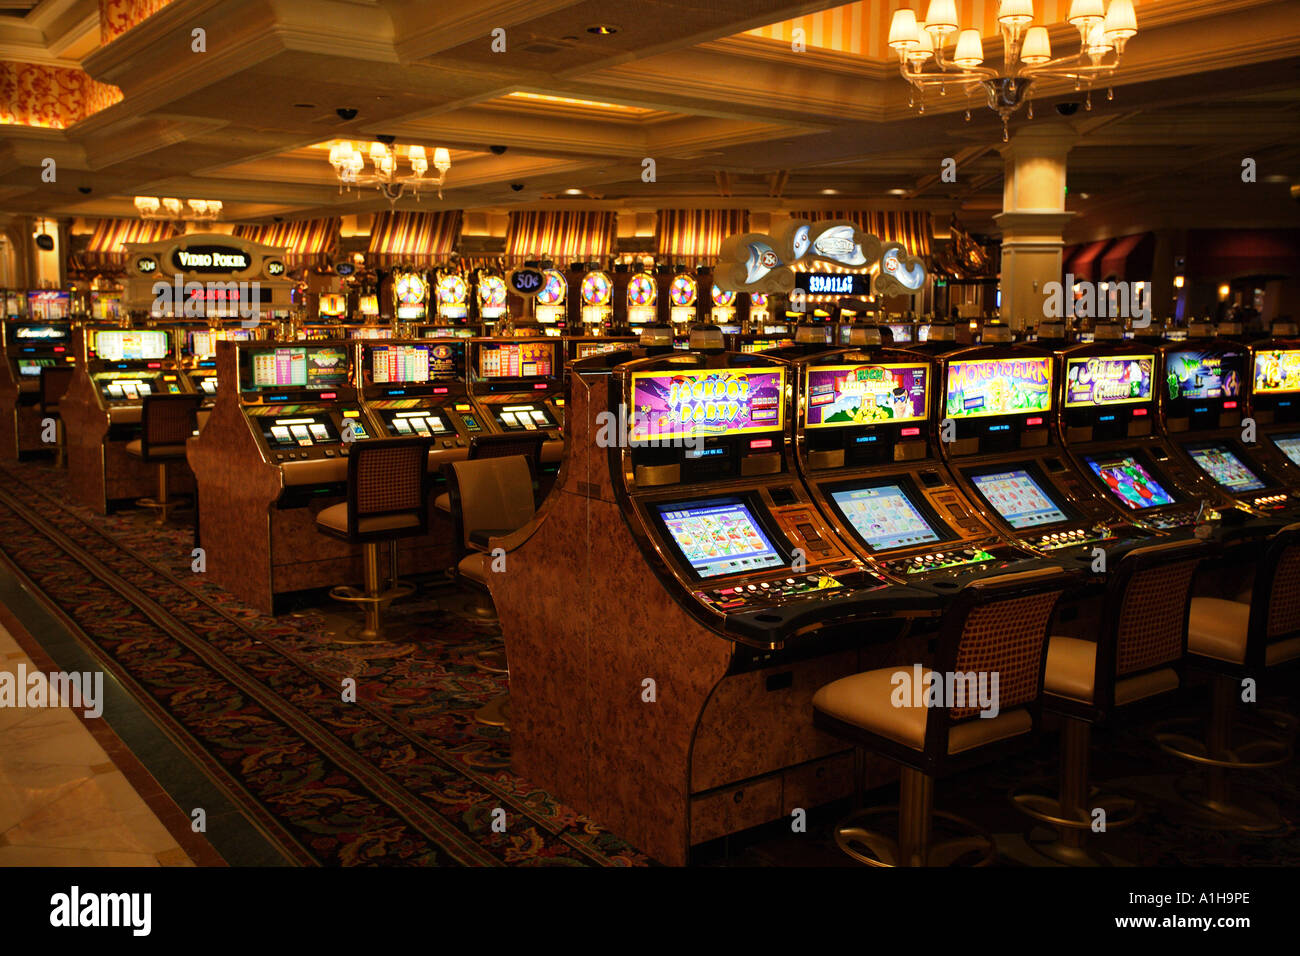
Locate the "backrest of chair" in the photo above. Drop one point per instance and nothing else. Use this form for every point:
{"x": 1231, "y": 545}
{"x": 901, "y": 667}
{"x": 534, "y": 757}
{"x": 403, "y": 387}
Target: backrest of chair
{"x": 1275, "y": 599}
{"x": 528, "y": 444}
{"x": 1148, "y": 598}
{"x": 55, "y": 380}
{"x": 168, "y": 419}
{"x": 388, "y": 477}
{"x": 493, "y": 494}
{"x": 998, "y": 625}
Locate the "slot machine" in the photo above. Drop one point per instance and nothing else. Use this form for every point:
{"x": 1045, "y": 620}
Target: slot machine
{"x": 692, "y": 557}
{"x": 549, "y": 308}
{"x": 724, "y": 309}
{"x": 936, "y": 338}
{"x": 417, "y": 388}
{"x": 519, "y": 386}
{"x": 368, "y": 309}
{"x": 1273, "y": 383}
{"x": 759, "y": 315}
{"x": 452, "y": 294}
{"x": 201, "y": 366}
{"x": 49, "y": 305}
{"x": 1202, "y": 413}
{"x": 597, "y": 292}
{"x": 581, "y": 347}
{"x": 866, "y": 443}
{"x": 997, "y": 436}
{"x": 491, "y": 301}
{"x": 28, "y": 347}
{"x": 642, "y": 300}
{"x": 683, "y": 293}
{"x": 410, "y": 297}
{"x": 333, "y": 308}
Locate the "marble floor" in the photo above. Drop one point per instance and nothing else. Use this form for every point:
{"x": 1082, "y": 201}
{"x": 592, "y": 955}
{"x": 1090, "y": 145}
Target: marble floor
{"x": 63, "y": 802}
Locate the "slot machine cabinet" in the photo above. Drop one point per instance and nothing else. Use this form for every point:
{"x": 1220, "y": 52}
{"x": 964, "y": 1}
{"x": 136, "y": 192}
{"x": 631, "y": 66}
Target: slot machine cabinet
{"x": 416, "y": 388}
{"x": 865, "y": 442}
{"x": 28, "y": 347}
{"x": 598, "y": 597}
{"x": 272, "y": 455}
{"x": 491, "y": 301}
{"x": 581, "y": 347}
{"x": 596, "y": 293}
{"x": 550, "y": 310}
{"x": 452, "y": 294}
{"x": 101, "y": 413}
{"x": 1272, "y": 385}
{"x": 683, "y": 298}
{"x": 199, "y": 359}
{"x": 518, "y": 386}
{"x": 642, "y": 300}
{"x": 410, "y": 297}
{"x": 759, "y": 316}
{"x": 723, "y": 308}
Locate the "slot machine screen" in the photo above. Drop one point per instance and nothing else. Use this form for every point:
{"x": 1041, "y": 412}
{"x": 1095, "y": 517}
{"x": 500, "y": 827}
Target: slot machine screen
{"x": 718, "y": 536}
{"x": 1201, "y": 374}
{"x": 981, "y": 388}
{"x": 1129, "y": 481}
{"x": 407, "y": 364}
{"x": 203, "y": 343}
{"x": 730, "y": 401}
{"x": 1277, "y": 371}
{"x": 884, "y": 517}
{"x": 208, "y": 384}
{"x": 31, "y": 367}
{"x": 841, "y": 395}
{"x": 517, "y": 360}
{"x": 1218, "y": 461}
{"x": 311, "y": 367}
{"x": 423, "y": 423}
{"x": 599, "y": 348}
{"x": 902, "y": 334}
{"x": 1019, "y": 498}
{"x": 1289, "y": 445}
{"x": 301, "y": 431}
{"x": 1098, "y": 380}
{"x": 120, "y": 345}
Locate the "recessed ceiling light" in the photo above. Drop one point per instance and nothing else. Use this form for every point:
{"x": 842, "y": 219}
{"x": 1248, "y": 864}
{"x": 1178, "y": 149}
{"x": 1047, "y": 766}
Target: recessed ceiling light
{"x": 1083, "y": 195}
{"x": 1275, "y": 178}
{"x": 602, "y": 29}
{"x": 573, "y": 192}
{"x": 830, "y": 192}
{"x": 896, "y": 192}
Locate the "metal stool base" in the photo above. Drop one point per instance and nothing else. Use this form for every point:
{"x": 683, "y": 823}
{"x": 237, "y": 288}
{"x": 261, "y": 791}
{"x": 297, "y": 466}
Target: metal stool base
{"x": 495, "y": 713}
{"x": 1257, "y": 751}
{"x": 1244, "y": 812}
{"x": 973, "y": 846}
{"x": 494, "y": 662}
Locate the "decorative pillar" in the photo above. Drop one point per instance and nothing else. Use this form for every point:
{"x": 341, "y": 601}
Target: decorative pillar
{"x": 1033, "y": 218}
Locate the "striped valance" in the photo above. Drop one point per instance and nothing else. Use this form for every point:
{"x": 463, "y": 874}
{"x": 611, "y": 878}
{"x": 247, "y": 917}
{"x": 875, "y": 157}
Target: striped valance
{"x": 911, "y": 227}
{"x": 307, "y": 242}
{"x": 695, "y": 235}
{"x": 413, "y": 237}
{"x": 563, "y": 236}
{"x": 104, "y": 253}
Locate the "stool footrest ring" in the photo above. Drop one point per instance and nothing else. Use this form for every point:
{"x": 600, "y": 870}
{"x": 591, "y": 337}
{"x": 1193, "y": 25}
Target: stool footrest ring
{"x": 970, "y": 839}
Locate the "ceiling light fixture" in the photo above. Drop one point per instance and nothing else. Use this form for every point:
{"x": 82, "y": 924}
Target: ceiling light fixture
{"x": 349, "y": 166}
{"x": 602, "y": 29}
{"x": 199, "y": 210}
{"x": 1026, "y": 50}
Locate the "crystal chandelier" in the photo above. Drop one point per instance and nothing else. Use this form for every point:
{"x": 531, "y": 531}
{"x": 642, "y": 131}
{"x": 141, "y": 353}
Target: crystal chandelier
{"x": 191, "y": 210}
{"x": 1026, "y": 50}
{"x": 350, "y": 165}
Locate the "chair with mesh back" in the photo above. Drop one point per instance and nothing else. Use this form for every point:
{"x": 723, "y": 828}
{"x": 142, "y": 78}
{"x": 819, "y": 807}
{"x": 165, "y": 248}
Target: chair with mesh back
{"x": 387, "y": 500}
{"x": 166, "y": 424}
{"x": 989, "y": 662}
{"x": 55, "y": 380}
{"x": 1242, "y": 645}
{"x": 1135, "y": 663}
{"x": 528, "y": 444}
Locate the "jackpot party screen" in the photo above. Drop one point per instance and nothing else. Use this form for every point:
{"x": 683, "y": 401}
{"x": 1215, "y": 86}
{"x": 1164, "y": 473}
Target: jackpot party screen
{"x": 517, "y": 360}
{"x": 719, "y": 537}
{"x": 1129, "y": 481}
{"x": 300, "y": 367}
{"x": 1218, "y": 461}
{"x": 866, "y": 394}
{"x": 729, "y": 401}
{"x": 884, "y": 517}
{"x": 1277, "y": 370}
{"x": 1018, "y": 498}
{"x": 1196, "y": 374}
{"x": 118, "y": 345}
{"x": 1013, "y": 386}
{"x": 1108, "y": 380}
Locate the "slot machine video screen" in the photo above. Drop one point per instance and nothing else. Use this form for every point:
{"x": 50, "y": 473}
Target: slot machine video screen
{"x": 719, "y": 536}
{"x": 312, "y": 367}
{"x": 842, "y": 395}
{"x": 518, "y": 360}
{"x": 120, "y": 345}
{"x": 1019, "y": 498}
{"x": 1289, "y": 445}
{"x": 586, "y": 349}
{"x": 1218, "y": 461}
{"x": 979, "y": 388}
{"x": 203, "y": 343}
{"x": 1129, "y": 481}
{"x": 729, "y": 401}
{"x": 884, "y": 517}
{"x": 407, "y": 364}
{"x": 1108, "y": 380}
{"x": 1277, "y": 371}
{"x": 31, "y": 367}
{"x": 1201, "y": 374}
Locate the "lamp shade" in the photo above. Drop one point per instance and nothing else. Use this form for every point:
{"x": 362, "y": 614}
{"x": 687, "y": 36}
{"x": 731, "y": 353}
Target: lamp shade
{"x": 970, "y": 51}
{"x": 1098, "y": 42}
{"x": 1121, "y": 21}
{"x": 941, "y": 17}
{"x": 1085, "y": 12}
{"x": 925, "y": 46}
{"x": 441, "y": 159}
{"x": 1015, "y": 12}
{"x": 1037, "y": 48}
{"x": 902, "y": 30}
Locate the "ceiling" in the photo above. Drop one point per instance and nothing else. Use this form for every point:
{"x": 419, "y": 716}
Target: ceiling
{"x": 733, "y": 105}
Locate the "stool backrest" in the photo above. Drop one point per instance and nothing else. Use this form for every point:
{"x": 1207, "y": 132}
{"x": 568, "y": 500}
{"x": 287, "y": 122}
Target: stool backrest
{"x": 490, "y": 494}
{"x": 1148, "y": 599}
{"x": 1275, "y": 598}
{"x": 168, "y": 419}
{"x": 55, "y": 380}
{"x": 388, "y": 477}
{"x": 998, "y": 625}
{"x": 528, "y": 444}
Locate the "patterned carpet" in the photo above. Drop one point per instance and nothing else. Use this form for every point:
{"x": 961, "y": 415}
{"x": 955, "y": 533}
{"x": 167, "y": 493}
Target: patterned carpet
{"x": 404, "y": 776}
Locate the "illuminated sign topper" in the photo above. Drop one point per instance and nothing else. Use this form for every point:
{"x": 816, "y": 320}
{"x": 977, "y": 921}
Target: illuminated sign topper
{"x": 1108, "y": 380}
{"x": 707, "y": 402}
{"x": 211, "y": 259}
{"x": 1277, "y": 370}
{"x": 1011, "y": 386}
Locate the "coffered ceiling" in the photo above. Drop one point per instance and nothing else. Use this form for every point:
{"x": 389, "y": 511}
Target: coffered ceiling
{"x": 765, "y": 104}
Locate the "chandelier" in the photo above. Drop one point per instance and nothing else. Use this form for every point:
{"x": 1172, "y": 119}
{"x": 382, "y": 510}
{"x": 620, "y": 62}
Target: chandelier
{"x": 350, "y": 165}
{"x": 191, "y": 210}
{"x": 1026, "y": 50}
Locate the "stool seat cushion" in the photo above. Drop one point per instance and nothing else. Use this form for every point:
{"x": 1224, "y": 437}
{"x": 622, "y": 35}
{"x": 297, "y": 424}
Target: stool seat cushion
{"x": 1217, "y": 629}
{"x": 866, "y": 700}
{"x": 1281, "y": 651}
{"x": 1072, "y": 671}
{"x": 443, "y": 503}
{"x": 155, "y": 451}
{"x": 475, "y": 566}
{"x": 335, "y": 518}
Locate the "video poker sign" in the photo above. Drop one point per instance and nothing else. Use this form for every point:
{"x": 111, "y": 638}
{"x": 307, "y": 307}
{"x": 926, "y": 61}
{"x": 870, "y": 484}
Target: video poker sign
{"x": 211, "y": 260}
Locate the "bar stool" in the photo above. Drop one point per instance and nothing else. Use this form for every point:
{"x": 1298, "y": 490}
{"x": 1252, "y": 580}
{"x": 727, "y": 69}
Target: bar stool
{"x": 528, "y": 444}
{"x": 55, "y": 380}
{"x": 1136, "y": 661}
{"x": 997, "y": 626}
{"x": 387, "y": 500}
{"x": 1236, "y": 641}
{"x": 490, "y": 497}
{"x": 166, "y": 423}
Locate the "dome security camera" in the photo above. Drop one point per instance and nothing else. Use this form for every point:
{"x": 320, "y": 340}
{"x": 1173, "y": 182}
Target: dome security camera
{"x": 346, "y": 113}
{"x": 498, "y": 150}
{"x": 1067, "y": 109}
{"x": 516, "y": 186}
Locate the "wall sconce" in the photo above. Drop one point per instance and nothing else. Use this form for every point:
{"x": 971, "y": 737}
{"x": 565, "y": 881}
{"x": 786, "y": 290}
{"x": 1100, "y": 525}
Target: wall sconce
{"x": 1178, "y": 282}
